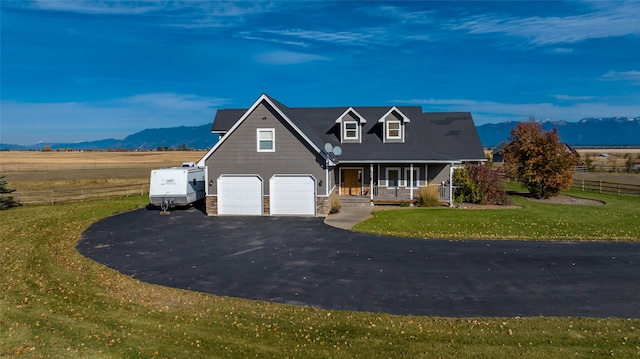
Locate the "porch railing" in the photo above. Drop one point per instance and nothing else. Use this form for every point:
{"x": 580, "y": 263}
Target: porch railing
{"x": 404, "y": 193}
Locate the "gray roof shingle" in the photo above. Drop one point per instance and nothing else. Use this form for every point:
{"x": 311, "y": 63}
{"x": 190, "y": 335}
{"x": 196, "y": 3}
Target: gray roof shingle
{"x": 429, "y": 137}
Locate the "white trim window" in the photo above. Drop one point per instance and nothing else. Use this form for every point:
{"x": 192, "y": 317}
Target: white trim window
{"x": 394, "y": 130}
{"x": 416, "y": 177}
{"x": 266, "y": 139}
{"x": 393, "y": 177}
{"x": 350, "y": 129}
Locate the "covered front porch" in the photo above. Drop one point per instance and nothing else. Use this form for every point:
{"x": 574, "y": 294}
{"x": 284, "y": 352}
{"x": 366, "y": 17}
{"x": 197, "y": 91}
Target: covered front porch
{"x": 395, "y": 182}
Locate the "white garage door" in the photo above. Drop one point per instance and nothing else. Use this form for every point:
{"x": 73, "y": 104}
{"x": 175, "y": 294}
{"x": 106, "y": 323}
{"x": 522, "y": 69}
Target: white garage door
{"x": 294, "y": 195}
{"x": 240, "y": 195}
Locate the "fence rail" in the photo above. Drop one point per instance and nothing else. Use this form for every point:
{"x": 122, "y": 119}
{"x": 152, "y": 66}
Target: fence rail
{"x": 606, "y": 187}
{"x": 64, "y": 166}
{"x": 79, "y": 194}
{"x": 598, "y": 168}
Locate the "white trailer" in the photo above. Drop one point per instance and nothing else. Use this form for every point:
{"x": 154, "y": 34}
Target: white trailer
{"x": 176, "y": 186}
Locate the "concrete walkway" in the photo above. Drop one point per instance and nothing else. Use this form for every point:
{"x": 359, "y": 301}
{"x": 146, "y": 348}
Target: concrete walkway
{"x": 349, "y": 216}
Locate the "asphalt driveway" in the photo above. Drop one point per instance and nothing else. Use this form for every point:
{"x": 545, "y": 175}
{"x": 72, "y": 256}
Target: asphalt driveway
{"x": 303, "y": 261}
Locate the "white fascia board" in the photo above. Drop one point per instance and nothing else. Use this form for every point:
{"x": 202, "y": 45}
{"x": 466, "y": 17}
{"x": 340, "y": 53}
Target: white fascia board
{"x": 262, "y": 97}
{"x": 474, "y": 160}
{"x": 265, "y": 98}
{"x": 230, "y": 131}
{"x": 404, "y": 117}
{"x": 362, "y": 119}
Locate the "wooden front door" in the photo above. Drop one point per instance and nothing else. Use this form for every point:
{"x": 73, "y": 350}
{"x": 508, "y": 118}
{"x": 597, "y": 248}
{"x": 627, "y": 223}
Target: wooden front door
{"x": 351, "y": 182}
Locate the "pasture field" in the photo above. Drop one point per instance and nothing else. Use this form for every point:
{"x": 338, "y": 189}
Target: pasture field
{"x": 29, "y": 161}
{"x": 36, "y": 170}
{"x": 616, "y": 155}
{"x": 56, "y": 303}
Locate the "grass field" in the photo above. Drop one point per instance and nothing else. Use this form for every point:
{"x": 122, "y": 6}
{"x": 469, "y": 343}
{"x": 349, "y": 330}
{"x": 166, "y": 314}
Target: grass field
{"x": 33, "y": 170}
{"x": 616, "y": 155}
{"x": 618, "y": 219}
{"x": 55, "y": 303}
{"x": 33, "y": 160}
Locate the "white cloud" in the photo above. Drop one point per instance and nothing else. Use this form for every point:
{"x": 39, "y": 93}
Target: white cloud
{"x": 337, "y": 37}
{"x": 633, "y": 76}
{"x": 493, "y": 112}
{"x": 187, "y": 14}
{"x": 620, "y": 19}
{"x": 173, "y": 101}
{"x": 28, "y": 123}
{"x": 403, "y": 15}
{"x": 288, "y": 58}
{"x": 572, "y": 98}
{"x": 251, "y": 36}
{"x": 100, "y": 7}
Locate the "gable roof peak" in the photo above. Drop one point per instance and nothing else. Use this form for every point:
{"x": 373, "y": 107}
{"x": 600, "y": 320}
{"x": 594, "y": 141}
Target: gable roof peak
{"x": 396, "y": 109}
{"x": 351, "y": 109}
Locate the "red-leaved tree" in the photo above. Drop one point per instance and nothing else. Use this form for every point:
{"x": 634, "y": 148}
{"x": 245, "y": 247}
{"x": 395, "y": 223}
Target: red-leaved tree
{"x": 538, "y": 160}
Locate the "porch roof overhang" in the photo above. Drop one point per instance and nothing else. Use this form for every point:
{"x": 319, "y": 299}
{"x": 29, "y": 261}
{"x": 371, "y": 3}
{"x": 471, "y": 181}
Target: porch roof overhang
{"x": 399, "y": 161}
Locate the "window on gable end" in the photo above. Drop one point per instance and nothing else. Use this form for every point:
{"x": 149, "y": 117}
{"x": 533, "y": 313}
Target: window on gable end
{"x": 266, "y": 140}
{"x": 350, "y": 130}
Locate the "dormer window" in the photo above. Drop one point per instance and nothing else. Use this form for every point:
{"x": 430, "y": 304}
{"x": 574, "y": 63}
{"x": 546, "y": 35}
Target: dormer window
{"x": 394, "y": 122}
{"x": 393, "y": 130}
{"x": 350, "y": 130}
{"x": 351, "y": 126}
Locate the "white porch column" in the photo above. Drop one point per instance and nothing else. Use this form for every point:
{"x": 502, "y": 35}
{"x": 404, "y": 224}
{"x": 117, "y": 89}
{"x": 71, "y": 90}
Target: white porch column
{"x": 326, "y": 178}
{"x": 411, "y": 181}
{"x": 426, "y": 174}
{"x": 371, "y": 182}
{"x": 451, "y": 184}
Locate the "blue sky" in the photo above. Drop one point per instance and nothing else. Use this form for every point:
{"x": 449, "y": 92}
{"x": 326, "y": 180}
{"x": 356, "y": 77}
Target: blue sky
{"x": 87, "y": 70}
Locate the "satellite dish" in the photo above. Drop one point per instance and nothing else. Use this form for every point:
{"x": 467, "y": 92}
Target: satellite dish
{"x": 328, "y": 148}
{"x": 337, "y": 151}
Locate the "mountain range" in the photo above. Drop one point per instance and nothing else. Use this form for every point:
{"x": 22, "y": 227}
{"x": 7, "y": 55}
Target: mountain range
{"x": 612, "y": 131}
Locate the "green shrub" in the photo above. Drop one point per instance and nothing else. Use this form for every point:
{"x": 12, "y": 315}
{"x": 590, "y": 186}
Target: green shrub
{"x": 477, "y": 183}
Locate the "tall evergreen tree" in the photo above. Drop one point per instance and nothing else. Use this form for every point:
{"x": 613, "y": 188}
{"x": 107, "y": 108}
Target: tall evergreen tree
{"x": 5, "y": 201}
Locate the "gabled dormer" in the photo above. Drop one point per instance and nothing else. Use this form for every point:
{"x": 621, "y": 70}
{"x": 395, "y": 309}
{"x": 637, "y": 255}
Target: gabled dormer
{"x": 351, "y": 123}
{"x": 393, "y": 126}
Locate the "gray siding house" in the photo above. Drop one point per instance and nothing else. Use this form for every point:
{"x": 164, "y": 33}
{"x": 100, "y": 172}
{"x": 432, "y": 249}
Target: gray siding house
{"x": 276, "y": 160}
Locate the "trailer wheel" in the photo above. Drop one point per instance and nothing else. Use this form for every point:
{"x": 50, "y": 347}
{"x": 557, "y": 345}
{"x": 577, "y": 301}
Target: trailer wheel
{"x": 164, "y": 206}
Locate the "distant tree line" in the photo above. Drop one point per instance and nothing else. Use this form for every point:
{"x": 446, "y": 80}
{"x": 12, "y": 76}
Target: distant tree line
{"x": 182, "y": 147}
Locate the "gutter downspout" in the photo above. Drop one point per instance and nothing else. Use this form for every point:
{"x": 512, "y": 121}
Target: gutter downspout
{"x": 451, "y": 184}
{"x": 411, "y": 182}
{"x": 326, "y": 176}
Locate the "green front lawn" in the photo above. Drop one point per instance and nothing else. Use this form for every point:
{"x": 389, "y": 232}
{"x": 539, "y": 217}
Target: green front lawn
{"x": 618, "y": 219}
{"x": 54, "y": 303}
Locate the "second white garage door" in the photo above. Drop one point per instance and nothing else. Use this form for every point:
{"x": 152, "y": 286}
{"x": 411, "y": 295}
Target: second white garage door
{"x": 240, "y": 195}
{"x": 292, "y": 195}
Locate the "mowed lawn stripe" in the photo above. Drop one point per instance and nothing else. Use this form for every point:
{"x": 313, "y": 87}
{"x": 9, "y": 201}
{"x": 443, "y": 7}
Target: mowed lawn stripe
{"x": 617, "y": 219}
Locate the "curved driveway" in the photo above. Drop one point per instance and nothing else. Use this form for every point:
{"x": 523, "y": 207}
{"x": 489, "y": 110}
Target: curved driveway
{"x": 305, "y": 262}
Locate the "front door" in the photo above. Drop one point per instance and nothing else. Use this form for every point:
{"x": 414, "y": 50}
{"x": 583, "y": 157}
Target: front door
{"x": 351, "y": 182}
